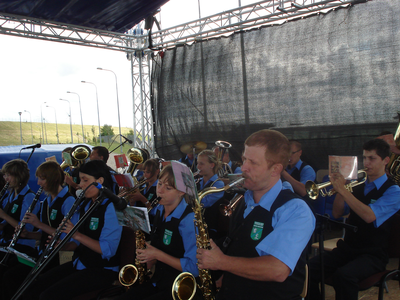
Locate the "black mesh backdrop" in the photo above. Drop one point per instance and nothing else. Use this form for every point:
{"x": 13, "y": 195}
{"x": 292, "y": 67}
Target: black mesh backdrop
{"x": 330, "y": 81}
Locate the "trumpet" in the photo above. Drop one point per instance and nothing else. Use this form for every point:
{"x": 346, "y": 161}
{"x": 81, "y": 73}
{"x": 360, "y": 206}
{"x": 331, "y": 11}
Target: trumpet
{"x": 227, "y": 210}
{"x": 133, "y": 189}
{"x": 313, "y": 190}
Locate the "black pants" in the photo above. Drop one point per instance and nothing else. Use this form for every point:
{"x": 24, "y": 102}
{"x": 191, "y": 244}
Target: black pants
{"x": 64, "y": 282}
{"x": 146, "y": 291}
{"x": 346, "y": 269}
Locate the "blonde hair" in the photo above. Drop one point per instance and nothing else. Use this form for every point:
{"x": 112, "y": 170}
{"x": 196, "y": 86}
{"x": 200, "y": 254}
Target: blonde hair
{"x": 212, "y": 159}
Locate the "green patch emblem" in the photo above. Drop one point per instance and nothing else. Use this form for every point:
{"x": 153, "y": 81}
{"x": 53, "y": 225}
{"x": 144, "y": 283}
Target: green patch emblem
{"x": 167, "y": 237}
{"x": 372, "y": 201}
{"x": 53, "y": 214}
{"x": 94, "y": 223}
{"x": 150, "y": 196}
{"x": 14, "y": 209}
{"x": 256, "y": 231}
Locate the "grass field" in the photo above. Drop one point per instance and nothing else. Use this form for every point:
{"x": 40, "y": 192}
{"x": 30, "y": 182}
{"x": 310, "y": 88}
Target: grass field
{"x": 10, "y": 134}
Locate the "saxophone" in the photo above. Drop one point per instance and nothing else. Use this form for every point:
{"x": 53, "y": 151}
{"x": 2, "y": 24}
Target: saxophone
{"x": 129, "y": 274}
{"x": 184, "y": 287}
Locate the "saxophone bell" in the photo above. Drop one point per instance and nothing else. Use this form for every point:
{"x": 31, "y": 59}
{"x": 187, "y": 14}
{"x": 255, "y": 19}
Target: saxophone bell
{"x": 184, "y": 287}
{"x": 128, "y": 275}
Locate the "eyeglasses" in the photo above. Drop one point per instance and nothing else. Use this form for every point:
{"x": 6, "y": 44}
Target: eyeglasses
{"x": 296, "y": 151}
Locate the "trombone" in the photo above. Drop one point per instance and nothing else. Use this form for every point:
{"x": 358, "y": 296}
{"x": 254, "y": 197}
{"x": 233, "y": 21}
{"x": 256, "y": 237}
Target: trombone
{"x": 313, "y": 189}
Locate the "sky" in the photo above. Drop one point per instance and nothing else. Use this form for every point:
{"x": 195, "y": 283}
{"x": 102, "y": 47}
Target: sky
{"x": 35, "y": 74}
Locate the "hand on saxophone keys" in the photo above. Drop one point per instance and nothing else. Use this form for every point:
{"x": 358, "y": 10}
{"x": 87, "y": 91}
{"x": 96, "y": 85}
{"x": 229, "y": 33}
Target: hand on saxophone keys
{"x": 209, "y": 258}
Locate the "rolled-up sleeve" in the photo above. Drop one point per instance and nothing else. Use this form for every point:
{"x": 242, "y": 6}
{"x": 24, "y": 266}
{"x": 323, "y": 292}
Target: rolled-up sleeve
{"x": 187, "y": 232}
{"x": 111, "y": 233}
{"x": 293, "y": 225}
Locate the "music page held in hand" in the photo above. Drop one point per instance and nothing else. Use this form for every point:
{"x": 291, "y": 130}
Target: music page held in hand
{"x": 345, "y": 165}
{"x": 184, "y": 179}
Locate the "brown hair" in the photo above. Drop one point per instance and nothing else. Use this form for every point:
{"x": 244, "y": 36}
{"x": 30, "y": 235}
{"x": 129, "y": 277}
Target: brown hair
{"x": 169, "y": 173}
{"x": 277, "y": 146}
{"x": 19, "y": 169}
{"x": 53, "y": 174}
{"x": 152, "y": 165}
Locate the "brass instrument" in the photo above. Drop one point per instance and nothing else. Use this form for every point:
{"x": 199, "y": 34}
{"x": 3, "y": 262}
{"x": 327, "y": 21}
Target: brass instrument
{"x": 79, "y": 154}
{"x": 227, "y": 210}
{"x": 222, "y": 148}
{"x": 393, "y": 166}
{"x": 132, "y": 190}
{"x": 130, "y": 273}
{"x": 136, "y": 156}
{"x": 182, "y": 284}
{"x": 313, "y": 190}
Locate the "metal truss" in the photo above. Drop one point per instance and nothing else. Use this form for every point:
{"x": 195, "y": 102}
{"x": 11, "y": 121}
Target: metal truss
{"x": 248, "y": 17}
{"x": 136, "y": 44}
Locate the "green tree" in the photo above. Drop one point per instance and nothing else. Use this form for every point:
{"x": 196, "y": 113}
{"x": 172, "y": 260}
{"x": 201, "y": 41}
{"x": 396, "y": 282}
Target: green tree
{"x": 130, "y": 132}
{"x": 107, "y": 130}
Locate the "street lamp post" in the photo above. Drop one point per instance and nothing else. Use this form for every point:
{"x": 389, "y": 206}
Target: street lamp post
{"x": 30, "y": 117}
{"x": 80, "y": 108}
{"x": 70, "y": 119}
{"x": 45, "y": 129}
{"x": 119, "y": 120}
{"x": 55, "y": 115}
{"x": 98, "y": 112}
{"x": 41, "y": 121}
{"x": 20, "y": 125}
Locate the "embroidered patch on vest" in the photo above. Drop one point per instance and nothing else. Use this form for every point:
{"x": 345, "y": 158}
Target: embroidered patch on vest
{"x": 150, "y": 196}
{"x": 53, "y": 214}
{"x": 256, "y": 231}
{"x": 94, "y": 223}
{"x": 14, "y": 209}
{"x": 372, "y": 201}
{"x": 167, "y": 237}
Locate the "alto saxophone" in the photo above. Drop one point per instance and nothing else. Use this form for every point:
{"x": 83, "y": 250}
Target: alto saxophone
{"x": 129, "y": 274}
{"x": 183, "y": 282}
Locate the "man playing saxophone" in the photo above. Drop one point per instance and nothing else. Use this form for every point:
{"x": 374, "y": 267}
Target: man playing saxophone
{"x": 263, "y": 254}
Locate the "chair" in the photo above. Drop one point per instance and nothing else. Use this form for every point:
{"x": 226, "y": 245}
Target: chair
{"x": 330, "y": 244}
{"x": 321, "y": 173}
{"x": 127, "y": 249}
{"x": 305, "y": 287}
{"x": 380, "y": 279}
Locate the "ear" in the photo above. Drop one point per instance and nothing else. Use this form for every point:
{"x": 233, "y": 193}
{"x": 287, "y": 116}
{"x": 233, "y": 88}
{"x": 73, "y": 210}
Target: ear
{"x": 100, "y": 180}
{"x": 386, "y": 160}
{"x": 277, "y": 170}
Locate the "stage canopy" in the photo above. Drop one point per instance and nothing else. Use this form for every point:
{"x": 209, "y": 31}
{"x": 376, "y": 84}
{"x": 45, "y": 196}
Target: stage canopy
{"x": 110, "y": 15}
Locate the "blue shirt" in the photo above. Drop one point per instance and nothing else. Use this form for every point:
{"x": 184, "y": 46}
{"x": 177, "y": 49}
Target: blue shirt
{"x": 307, "y": 173}
{"x": 293, "y": 225}
{"x": 210, "y": 199}
{"x": 387, "y": 205}
{"x": 28, "y": 198}
{"x": 66, "y": 206}
{"x": 238, "y": 170}
{"x": 187, "y": 231}
{"x": 109, "y": 237}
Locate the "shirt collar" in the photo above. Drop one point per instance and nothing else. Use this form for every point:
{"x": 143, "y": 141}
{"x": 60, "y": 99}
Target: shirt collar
{"x": 377, "y": 182}
{"x": 178, "y": 211}
{"x": 297, "y": 165}
{"x": 267, "y": 199}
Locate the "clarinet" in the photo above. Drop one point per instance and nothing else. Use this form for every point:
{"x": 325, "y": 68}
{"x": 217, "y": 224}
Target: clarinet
{"x": 3, "y": 191}
{"x": 52, "y": 248}
{"x": 21, "y": 227}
